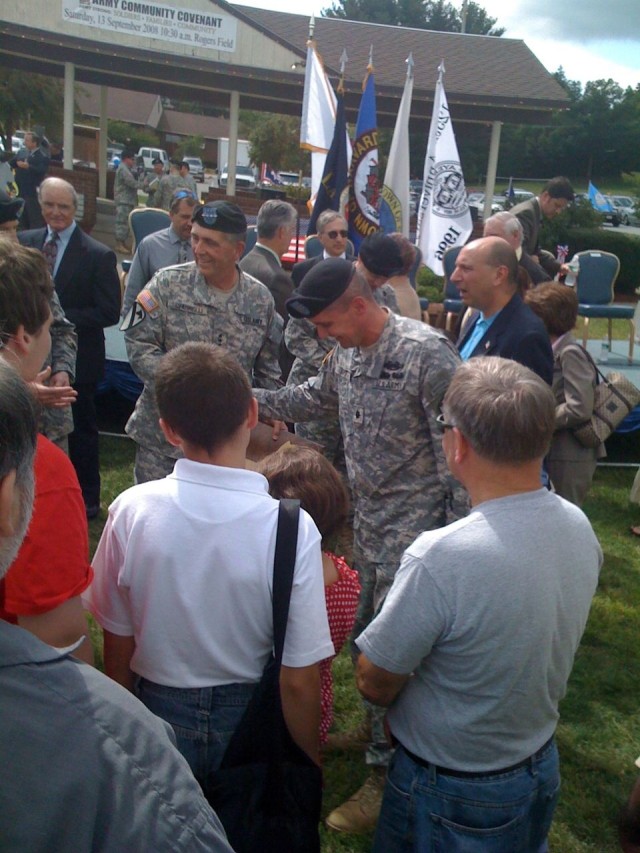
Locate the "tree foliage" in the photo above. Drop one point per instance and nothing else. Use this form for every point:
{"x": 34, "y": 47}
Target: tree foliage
{"x": 25, "y": 104}
{"x": 191, "y": 147}
{"x": 131, "y": 135}
{"x": 598, "y": 136}
{"x": 420, "y": 14}
{"x": 274, "y": 139}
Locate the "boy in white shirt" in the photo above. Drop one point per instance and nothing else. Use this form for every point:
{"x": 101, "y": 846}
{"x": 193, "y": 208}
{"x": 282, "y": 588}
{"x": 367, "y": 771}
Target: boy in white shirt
{"x": 183, "y": 572}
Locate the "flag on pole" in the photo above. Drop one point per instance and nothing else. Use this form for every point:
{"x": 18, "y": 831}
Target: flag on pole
{"x": 332, "y": 190}
{"x": 599, "y": 201}
{"x": 364, "y": 181}
{"x": 318, "y": 113}
{"x": 511, "y": 193}
{"x": 269, "y": 175}
{"x": 394, "y": 204}
{"x": 444, "y": 219}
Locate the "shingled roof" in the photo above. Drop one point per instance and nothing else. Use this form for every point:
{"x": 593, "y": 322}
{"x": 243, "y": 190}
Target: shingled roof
{"x": 484, "y": 74}
{"x": 487, "y": 79}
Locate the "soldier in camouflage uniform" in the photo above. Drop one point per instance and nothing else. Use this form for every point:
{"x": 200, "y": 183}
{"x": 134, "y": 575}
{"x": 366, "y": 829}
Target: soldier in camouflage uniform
{"x": 151, "y": 181}
{"x": 302, "y": 340}
{"x": 168, "y": 185}
{"x": 210, "y": 300}
{"x": 56, "y": 421}
{"x": 385, "y": 380}
{"x": 125, "y": 195}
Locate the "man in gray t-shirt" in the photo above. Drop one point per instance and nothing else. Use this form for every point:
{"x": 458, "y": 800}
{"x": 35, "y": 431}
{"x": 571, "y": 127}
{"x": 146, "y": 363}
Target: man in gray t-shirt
{"x": 474, "y": 644}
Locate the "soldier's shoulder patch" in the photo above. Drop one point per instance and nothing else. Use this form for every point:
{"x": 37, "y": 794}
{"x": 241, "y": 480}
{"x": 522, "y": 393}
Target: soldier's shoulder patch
{"x": 132, "y": 318}
{"x": 148, "y": 301}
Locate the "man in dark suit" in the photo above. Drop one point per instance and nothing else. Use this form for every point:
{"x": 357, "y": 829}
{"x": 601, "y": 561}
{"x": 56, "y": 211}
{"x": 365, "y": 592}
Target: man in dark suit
{"x": 30, "y": 164}
{"x": 276, "y": 225}
{"x": 555, "y": 196}
{"x": 332, "y": 233}
{"x": 87, "y": 284}
{"x": 486, "y": 274}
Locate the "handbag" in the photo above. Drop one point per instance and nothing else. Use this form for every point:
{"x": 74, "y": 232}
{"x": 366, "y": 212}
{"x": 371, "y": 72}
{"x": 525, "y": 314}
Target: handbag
{"x": 267, "y": 791}
{"x": 614, "y": 397}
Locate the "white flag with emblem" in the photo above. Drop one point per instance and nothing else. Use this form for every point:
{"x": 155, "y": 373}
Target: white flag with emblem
{"x": 318, "y": 114}
{"x": 444, "y": 219}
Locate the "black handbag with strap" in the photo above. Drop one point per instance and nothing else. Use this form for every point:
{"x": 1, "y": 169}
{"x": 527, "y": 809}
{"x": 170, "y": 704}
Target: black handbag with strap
{"x": 268, "y": 791}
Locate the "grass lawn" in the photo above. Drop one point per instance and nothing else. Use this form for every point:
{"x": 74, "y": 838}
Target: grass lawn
{"x": 599, "y": 733}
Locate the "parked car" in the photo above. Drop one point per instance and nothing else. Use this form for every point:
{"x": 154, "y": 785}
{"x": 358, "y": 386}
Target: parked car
{"x": 477, "y": 200}
{"x": 627, "y": 207}
{"x": 245, "y": 179}
{"x": 612, "y": 216}
{"x": 146, "y": 156}
{"x": 519, "y": 195}
{"x": 196, "y": 168}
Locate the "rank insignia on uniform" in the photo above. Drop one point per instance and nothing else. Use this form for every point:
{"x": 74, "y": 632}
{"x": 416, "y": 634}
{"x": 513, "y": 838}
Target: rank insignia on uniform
{"x": 133, "y": 316}
{"x": 148, "y": 302}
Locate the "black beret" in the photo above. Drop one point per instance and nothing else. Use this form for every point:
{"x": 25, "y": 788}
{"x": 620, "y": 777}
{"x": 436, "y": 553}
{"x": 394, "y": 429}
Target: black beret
{"x": 157, "y": 162}
{"x": 220, "y": 216}
{"x": 10, "y": 208}
{"x": 381, "y": 255}
{"x": 128, "y": 154}
{"x": 322, "y": 285}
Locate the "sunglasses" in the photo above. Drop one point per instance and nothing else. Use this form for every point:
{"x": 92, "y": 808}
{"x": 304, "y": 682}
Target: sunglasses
{"x": 333, "y": 234}
{"x": 180, "y": 194}
{"x": 444, "y": 424}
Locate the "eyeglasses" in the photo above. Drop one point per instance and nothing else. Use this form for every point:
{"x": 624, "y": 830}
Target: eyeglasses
{"x": 333, "y": 234}
{"x": 180, "y": 194}
{"x": 444, "y": 424}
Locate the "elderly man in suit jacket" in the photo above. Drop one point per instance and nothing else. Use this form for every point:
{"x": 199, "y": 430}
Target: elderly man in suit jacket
{"x": 276, "y": 225}
{"x": 486, "y": 275}
{"x": 87, "y": 284}
{"x": 332, "y": 233}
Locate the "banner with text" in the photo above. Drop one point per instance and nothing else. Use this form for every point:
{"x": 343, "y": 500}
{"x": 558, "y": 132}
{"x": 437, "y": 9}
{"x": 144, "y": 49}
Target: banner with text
{"x": 210, "y": 30}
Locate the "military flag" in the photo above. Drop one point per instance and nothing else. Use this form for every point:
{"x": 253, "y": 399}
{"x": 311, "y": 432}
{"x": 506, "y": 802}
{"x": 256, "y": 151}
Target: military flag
{"x": 332, "y": 192}
{"x": 444, "y": 219}
{"x": 318, "y": 113}
{"x": 364, "y": 180}
{"x": 394, "y": 204}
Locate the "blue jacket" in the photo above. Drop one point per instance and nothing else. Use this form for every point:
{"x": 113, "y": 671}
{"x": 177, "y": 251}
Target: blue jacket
{"x": 517, "y": 333}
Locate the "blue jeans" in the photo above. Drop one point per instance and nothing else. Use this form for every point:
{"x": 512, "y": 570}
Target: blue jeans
{"x": 203, "y": 718}
{"x": 424, "y": 811}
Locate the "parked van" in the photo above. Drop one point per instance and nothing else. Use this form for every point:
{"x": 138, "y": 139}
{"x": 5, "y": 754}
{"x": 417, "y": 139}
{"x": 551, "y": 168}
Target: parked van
{"x": 146, "y": 156}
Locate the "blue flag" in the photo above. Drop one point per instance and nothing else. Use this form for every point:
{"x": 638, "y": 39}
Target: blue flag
{"x": 364, "y": 180}
{"x": 599, "y": 201}
{"x": 511, "y": 195}
{"x": 334, "y": 177}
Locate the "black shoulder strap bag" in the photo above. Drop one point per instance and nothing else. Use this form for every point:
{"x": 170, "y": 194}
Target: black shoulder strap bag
{"x": 267, "y": 791}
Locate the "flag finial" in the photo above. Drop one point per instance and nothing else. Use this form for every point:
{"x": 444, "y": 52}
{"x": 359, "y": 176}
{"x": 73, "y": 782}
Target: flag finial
{"x": 312, "y": 26}
{"x": 371, "y": 57}
{"x": 409, "y": 61}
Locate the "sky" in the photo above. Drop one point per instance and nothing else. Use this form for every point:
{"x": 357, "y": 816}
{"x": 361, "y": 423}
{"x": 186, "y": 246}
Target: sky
{"x": 590, "y": 39}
